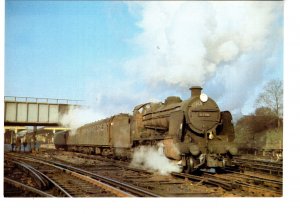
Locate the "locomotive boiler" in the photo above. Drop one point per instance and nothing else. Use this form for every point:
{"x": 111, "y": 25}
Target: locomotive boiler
{"x": 194, "y": 132}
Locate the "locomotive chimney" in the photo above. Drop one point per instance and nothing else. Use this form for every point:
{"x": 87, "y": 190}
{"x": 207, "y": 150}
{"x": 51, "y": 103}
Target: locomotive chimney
{"x": 195, "y": 91}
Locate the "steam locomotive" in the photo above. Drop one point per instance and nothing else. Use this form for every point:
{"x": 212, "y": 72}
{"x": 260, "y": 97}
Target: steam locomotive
{"x": 194, "y": 132}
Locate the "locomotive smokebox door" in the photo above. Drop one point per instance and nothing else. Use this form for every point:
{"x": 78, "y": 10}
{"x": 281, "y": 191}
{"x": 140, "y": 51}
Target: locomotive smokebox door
{"x": 176, "y": 125}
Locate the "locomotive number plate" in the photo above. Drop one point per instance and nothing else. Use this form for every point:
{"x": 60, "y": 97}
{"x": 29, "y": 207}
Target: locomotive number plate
{"x": 202, "y": 114}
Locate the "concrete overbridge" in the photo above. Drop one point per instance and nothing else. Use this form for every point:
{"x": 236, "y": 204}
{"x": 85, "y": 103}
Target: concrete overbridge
{"x": 29, "y": 111}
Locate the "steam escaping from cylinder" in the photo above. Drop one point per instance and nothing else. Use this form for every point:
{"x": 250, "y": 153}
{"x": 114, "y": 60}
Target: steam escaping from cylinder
{"x": 152, "y": 158}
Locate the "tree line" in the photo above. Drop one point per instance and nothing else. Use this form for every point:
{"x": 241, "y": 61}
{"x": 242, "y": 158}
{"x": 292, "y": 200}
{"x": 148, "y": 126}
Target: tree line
{"x": 267, "y": 116}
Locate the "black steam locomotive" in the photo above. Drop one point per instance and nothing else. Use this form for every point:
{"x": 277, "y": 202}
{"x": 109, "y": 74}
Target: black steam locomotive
{"x": 194, "y": 132}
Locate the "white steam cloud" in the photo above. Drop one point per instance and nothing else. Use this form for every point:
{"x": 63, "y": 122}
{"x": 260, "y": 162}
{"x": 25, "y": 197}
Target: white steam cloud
{"x": 152, "y": 158}
{"x": 228, "y": 47}
{"x": 79, "y": 116}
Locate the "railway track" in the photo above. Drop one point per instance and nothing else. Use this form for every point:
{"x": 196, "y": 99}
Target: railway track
{"x": 31, "y": 180}
{"x": 239, "y": 183}
{"x": 250, "y": 185}
{"x": 269, "y": 167}
{"x": 74, "y": 182}
{"x": 156, "y": 185}
{"x": 14, "y": 188}
{"x": 166, "y": 186}
{"x": 206, "y": 179}
{"x": 255, "y": 185}
{"x": 141, "y": 183}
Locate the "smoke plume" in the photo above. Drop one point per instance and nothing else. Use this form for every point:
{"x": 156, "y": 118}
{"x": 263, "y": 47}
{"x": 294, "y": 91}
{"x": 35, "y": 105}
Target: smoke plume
{"x": 153, "y": 158}
{"x": 79, "y": 116}
{"x": 228, "y": 47}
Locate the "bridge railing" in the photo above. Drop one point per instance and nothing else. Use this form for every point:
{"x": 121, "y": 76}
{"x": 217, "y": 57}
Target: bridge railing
{"x": 43, "y": 100}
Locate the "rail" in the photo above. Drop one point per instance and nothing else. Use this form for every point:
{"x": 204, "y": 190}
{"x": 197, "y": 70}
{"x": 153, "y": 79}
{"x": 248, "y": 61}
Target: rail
{"x": 269, "y": 167}
{"x": 127, "y": 187}
{"x": 25, "y": 187}
{"x": 39, "y": 179}
{"x": 114, "y": 186}
{"x": 207, "y": 180}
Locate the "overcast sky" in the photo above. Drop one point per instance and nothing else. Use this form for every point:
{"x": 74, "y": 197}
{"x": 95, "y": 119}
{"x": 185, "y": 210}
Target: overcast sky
{"x": 116, "y": 55}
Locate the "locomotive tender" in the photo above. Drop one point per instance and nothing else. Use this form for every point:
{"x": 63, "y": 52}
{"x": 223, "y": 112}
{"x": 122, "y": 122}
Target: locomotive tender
{"x": 194, "y": 132}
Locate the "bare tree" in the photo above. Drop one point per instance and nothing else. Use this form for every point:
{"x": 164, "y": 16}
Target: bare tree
{"x": 264, "y": 111}
{"x": 272, "y": 97}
